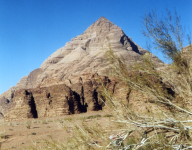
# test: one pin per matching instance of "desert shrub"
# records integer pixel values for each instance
(70, 119)
(34, 121)
(108, 115)
(168, 89)
(93, 116)
(33, 133)
(28, 124)
(44, 121)
(3, 135)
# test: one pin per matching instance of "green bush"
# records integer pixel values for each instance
(33, 133)
(108, 115)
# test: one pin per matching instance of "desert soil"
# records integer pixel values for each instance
(15, 135)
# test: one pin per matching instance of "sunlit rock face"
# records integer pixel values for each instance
(58, 100)
(75, 64)
(5, 106)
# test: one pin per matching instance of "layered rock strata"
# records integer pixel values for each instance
(5, 106)
(58, 100)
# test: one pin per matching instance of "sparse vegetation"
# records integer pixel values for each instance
(34, 121)
(44, 122)
(12, 147)
(33, 133)
(108, 115)
(93, 116)
(49, 120)
(3, 135)
(68, 119)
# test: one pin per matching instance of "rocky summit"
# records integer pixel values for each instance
(67, 81)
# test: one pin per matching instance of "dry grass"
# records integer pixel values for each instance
(40, 135)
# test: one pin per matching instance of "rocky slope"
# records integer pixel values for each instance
(72, 69)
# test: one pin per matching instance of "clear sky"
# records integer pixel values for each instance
(31, 30)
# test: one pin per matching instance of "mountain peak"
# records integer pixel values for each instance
(102, 21)
(101, 27)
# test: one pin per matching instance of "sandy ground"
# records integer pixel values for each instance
(15, 135)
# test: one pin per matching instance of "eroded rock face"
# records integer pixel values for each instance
(5, 106)
(85, 54)
(72, 71)
(58, 100)
(22, 105)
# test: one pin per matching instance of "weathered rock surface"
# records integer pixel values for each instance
(58, 100)
(74, 66)
(5, 106)
(86, 53)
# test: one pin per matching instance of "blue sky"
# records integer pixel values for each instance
(31, 30)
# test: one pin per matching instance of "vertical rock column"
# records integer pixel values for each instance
(56, 100)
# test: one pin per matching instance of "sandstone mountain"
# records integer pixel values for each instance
(67, 82)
